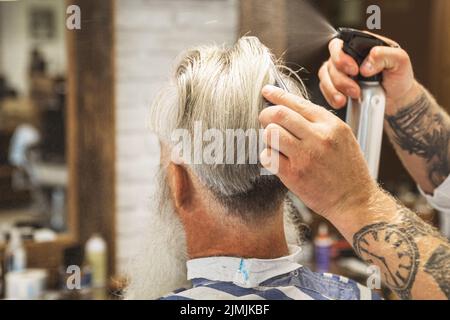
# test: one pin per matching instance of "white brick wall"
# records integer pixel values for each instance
(149, 35)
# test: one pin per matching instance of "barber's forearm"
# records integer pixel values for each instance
(321, 162)
(420, 132)
(414, 260)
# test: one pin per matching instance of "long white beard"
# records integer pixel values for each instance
(160, 266)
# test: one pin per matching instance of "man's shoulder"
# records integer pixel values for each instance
(302, 284)
(223, 290)
(324, 285)
(208, 290)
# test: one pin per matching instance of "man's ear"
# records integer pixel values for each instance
(180, 185)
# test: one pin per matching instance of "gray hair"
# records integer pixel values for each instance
(221, 87)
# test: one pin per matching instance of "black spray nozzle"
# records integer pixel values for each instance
(358, 44)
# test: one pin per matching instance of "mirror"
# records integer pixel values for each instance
(33, 67)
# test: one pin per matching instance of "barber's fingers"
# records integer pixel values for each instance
(384, 58)
(335, 86)
(280, 165)
(278, 138)
(305, 108)
(274, 162)
(342, 61)
(334, 98)
(343, 83)
(287, 118)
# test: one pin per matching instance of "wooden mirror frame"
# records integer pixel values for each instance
(91, 125)
(90, 120)
(90, 131)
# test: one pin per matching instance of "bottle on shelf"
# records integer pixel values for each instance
(95, 250)
(322, 247)
(15, 254)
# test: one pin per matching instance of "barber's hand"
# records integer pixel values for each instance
(336, 83)
(319, 158)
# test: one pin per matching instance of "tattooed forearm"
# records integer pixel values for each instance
(394, 251)
(438, 266)
(394, 248)
(423, 129)
(414, 226)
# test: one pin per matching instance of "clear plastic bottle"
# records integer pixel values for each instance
(366, 118)
(96, 258)
(15, 254)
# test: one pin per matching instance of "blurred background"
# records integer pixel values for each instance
(76, 159)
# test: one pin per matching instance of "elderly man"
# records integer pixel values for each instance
(225, 217)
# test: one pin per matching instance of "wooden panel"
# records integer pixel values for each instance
(440, 49)
(91, 124)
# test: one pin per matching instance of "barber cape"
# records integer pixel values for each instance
(230, 278)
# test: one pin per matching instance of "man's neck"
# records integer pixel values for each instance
(207, 238)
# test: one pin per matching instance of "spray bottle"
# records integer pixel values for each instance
(366, 115)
